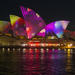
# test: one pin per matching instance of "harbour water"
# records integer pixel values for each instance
(37, 61)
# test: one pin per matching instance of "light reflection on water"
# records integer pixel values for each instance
(37, 61)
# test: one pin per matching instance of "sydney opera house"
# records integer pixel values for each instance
(31, 28)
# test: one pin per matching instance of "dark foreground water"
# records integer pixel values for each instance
(37, 61)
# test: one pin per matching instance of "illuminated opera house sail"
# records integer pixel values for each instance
(5, 27)
(18, 25)
(32, 25)
(56, 28)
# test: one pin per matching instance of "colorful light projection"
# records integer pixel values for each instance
(34, 23)
(18, 25)
(42, 33)
(5, 27)
(56, 27)
(64, 24)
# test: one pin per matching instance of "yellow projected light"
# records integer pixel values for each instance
(13, 19)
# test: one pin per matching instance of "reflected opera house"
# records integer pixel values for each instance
(31, 30)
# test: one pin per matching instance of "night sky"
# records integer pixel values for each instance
(49, 10)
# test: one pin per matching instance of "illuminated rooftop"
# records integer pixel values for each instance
(32, 25)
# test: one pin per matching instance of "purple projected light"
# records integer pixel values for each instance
(34, 23)
(42, 33)
(47, 28)
(57, 27)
